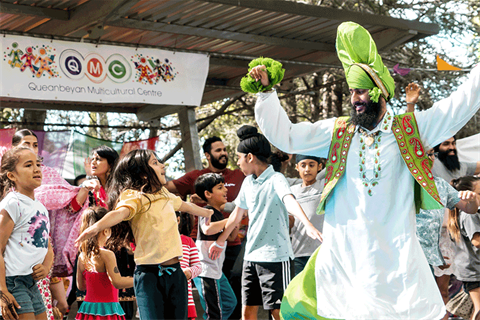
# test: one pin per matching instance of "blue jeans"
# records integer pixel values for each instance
(220, 298)
(24, 289)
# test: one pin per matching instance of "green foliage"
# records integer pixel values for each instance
(275, 75)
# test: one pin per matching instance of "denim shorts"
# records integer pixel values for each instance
(24, 289)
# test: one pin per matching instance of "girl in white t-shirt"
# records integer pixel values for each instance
(26, 255)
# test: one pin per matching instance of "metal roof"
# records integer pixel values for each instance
(232, 31)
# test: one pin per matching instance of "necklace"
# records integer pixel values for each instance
(369, 137)
(370, 182)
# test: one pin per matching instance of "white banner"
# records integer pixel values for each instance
(42, 69)
(469, 148)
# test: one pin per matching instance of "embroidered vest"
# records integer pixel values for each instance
(414, 155)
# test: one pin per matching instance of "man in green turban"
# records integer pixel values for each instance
(370, 265)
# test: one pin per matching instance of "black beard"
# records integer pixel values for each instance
(450, 162)
(368, 118)
(216, 162)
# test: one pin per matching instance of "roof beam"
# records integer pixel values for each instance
(307, 10)
(56, 14)
(19, 104)
(89, 13)
(219, 34)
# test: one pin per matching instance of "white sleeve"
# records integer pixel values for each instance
(447, 116)
(12, 207)
(300, 138)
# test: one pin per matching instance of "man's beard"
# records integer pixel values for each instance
(450, 162)
(217, 164)
(369, 117)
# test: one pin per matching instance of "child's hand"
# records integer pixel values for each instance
(188, 273)
(313, 233)
(87, 234)
(91, 185)
(412, 91)
(207, 219)
(216, 249)
(468, 195)
(39, 272)
(8, 305)
(195, 198)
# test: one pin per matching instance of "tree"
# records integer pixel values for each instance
(324, 94)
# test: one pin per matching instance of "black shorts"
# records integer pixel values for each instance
(467, 286)
(263, 283)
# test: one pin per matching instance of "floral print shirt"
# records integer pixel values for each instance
(429, 223)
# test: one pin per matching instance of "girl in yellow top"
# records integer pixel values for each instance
(138, 195)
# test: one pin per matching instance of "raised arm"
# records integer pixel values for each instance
(109, 220)
(412, 92)
(213, 227)
(296, 210)
(469, 201)
(233, 220)
(303, 138)
(196, 210)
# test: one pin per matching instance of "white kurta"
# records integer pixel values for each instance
(371, 265)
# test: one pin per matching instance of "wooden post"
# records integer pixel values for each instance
(190, 140)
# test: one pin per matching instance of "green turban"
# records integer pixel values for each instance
(364, 68)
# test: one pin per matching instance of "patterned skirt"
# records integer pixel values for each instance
(100, 311)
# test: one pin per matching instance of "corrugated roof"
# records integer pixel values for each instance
(232, 31)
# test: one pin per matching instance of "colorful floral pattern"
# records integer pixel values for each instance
(412, 151)
(370, 182)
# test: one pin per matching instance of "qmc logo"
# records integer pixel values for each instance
(75, 67)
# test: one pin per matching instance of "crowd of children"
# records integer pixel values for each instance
(145, 215)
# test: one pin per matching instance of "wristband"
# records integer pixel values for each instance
(411, 103)
(219, 246)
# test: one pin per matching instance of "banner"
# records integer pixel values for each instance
(149, 144)
(53, 147)
(43, 69)
(6, 136)
(469, 148)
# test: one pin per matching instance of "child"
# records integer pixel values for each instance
(308, 196)
(138, 195)
(190, 264)
(97, 272)
(429, 227)
(216, 294)
(26, 254)
(465, 231)
(268, 252)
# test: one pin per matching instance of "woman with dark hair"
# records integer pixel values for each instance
(101, 163)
